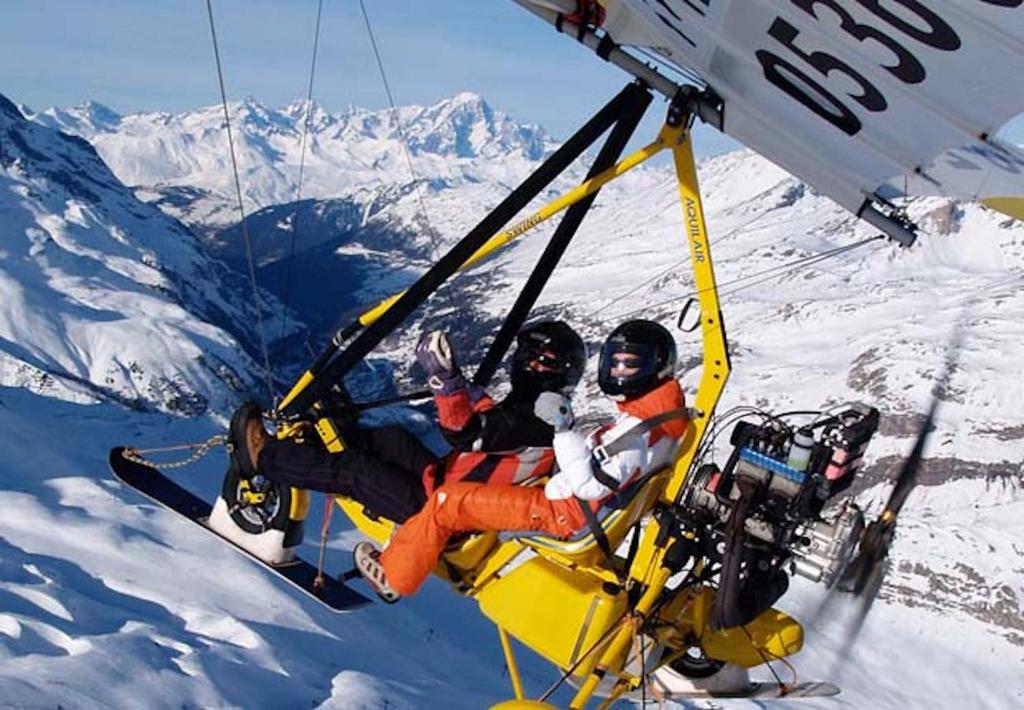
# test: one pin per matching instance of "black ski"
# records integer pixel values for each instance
(160, 489)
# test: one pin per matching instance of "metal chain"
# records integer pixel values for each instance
(135, 455)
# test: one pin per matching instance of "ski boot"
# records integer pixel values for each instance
(366, 558)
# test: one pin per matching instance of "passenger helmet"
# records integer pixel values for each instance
(637, 357)
(549, 356)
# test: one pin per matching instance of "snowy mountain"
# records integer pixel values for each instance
(108, 335)
(105, 297)
(385, 211)
(182, 161)
(101, 610)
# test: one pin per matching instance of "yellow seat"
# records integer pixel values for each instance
(558, 613)
(582, 549)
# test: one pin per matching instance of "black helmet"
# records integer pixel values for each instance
(650, 351)
(549, 356)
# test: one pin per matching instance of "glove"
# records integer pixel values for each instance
(434, 355)
(554, 409)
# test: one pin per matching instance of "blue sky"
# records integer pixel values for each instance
(156, 55)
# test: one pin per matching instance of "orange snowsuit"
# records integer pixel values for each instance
(460, 507)
(513, 445)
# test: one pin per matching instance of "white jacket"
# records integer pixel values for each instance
(573, 453)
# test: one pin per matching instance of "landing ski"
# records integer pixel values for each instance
(298, 572)
(756, 691)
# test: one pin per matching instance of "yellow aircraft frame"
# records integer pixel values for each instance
(564, 602)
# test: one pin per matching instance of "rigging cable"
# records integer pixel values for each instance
(764, 653)
(302, 166)
(767, 275)
(599, 643)
(795, 265)
(679, 263)
(435, 235)
(241, 208)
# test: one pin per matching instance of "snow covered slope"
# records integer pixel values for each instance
(105, 297)
(108, 601)
(102, 607)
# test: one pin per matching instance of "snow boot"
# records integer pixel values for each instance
(246, 437)
(367, 560)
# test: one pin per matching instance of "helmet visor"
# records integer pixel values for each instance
(622, 364)
(545, 368)
(628, 368)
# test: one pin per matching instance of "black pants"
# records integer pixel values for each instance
(382, 469)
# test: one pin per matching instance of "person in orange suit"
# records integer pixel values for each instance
(636, 368)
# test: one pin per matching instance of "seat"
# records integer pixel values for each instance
(617, 515)
(616, 518)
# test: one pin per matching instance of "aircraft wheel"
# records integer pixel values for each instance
(696, 664)
(257, 504)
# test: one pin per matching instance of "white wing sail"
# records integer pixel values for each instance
(860, 98)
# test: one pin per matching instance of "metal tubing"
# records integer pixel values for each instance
(564, 234)
(647, 571)
(510, 661)
(650, 76)
(705, 106)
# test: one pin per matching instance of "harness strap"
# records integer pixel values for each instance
(599, 536)
(605, 451)
(609, 482)
(602, 453)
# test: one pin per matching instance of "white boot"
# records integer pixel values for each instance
(367, 560)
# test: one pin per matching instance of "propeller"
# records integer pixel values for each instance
(860, 576)
(863, 576)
